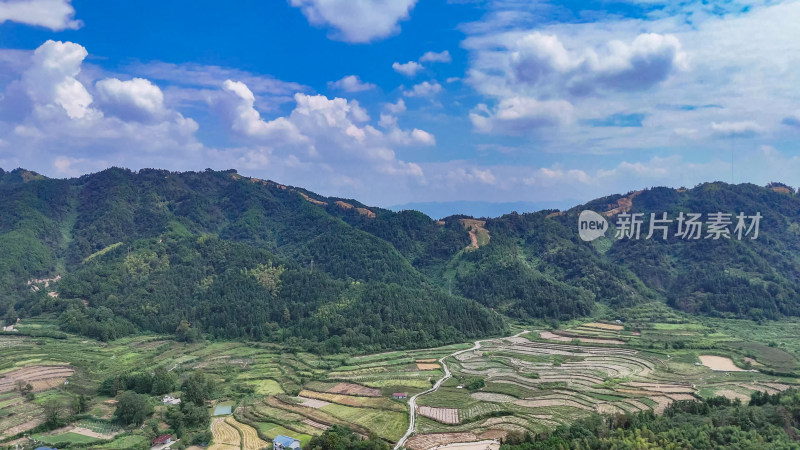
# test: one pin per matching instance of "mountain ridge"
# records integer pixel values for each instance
(219, 254)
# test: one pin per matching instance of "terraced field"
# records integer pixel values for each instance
(533, 384)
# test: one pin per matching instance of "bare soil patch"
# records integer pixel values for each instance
(427, 366)
(553, 337)
(443, 415)
(313, 402)
(480, 445)
(355, 389)
(733, 395)
(719, 363)
(34, 374)
(320, 426)
(604, 326)
(428, 441)
(492, 397)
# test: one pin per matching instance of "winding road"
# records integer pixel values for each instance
(412, 402)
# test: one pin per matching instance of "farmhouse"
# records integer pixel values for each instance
(285, 443)
(399, 395)
(170, 400)
(162, 440)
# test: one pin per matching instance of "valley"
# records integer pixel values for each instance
(531, 382)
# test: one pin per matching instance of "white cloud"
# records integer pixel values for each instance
(521, 115)
(539, 59)
(408, 69)
(406, 137)
(50, 81)
(424, 89)
(350, 83)
(56, 15)
(395, 108)
(736, 129)
(323, 134)
(56, 114)
(238, 108)
(357, 20)
(210, 76)
(137, 99)
(433, 57)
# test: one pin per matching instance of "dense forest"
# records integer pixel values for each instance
(220, 255)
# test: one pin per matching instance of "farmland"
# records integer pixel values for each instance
(529, 383)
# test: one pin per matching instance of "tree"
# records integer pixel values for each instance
(163, 382)
(53, 413)
(185, 332)
(11, 316)
(80, 404)
(338, 437)
(197, 388)
(132, 408)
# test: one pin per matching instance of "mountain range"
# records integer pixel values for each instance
(220, 255)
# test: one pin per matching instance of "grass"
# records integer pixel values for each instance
(123, 442)
(266, 387)
(386, 424)
(272, 430)
(71, 438)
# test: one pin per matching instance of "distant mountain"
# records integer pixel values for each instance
(438, 210)
(217, 254)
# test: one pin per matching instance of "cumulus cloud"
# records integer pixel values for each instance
(50, 81)
(433, 57)
(736, 129)
(137, 99)
(324, 133)
(520, 115)
(53, 107)
(350, 83)
(56, 15)
(357, 20)
(408, 69)
(238, 108)
(539, 59)
(395, 108)
(424, 89)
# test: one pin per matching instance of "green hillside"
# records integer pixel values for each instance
(225, 256)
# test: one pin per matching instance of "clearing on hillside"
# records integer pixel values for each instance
(355, 389)
(478, 235)
(719, 363)
(40, 377)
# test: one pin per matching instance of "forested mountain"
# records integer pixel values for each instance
(228, 256)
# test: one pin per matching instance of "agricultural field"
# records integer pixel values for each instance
(529, 383)
(544, 378)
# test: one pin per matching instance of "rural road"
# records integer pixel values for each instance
(412, 402)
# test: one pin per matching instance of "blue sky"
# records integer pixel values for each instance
(399, 101)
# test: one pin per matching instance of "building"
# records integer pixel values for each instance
(170, 400)
(399, 395)
(285, 443)
(164, 439)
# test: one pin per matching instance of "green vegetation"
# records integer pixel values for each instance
(222, 289)
(715, 423)
(341, 438)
